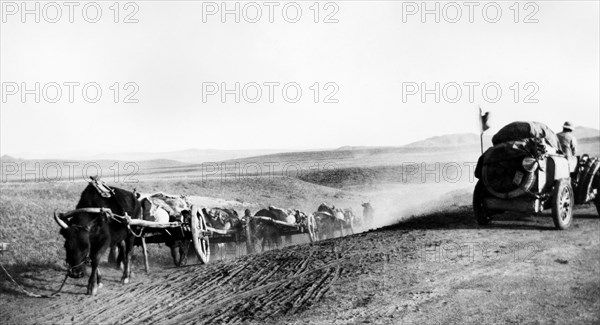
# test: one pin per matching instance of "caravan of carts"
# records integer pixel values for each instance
(108, 216)
(173, 220)
(197, 227)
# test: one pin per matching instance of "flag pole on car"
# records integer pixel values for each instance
(483, 119)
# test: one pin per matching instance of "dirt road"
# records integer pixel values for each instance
(440, 268)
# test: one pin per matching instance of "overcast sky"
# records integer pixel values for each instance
(373, 55)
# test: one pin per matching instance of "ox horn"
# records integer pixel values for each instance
(60, 222)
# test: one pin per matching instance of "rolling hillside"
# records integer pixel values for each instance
(452, 148)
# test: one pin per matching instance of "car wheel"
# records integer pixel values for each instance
(482, 215)
(562, 204)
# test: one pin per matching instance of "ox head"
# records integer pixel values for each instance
(76, 227)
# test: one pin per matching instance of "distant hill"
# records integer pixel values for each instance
(442, 141)
(189, 156)
(350, 148)
(7, 158)
(463, 147)
(41, 170)
(186, 156)
(589, 140)
(583, 132)
(450, 140)
(155, 163)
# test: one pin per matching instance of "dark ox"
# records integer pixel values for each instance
(329, 219)
(88, 233)
(121, 202)
(368, 213)
(266, 231)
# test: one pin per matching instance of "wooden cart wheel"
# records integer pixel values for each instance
(199, 238)
(311, 227)
(248, 229)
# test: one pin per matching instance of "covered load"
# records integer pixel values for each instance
(287, 216)
(222, 218)
(519, 131)
(161, 207)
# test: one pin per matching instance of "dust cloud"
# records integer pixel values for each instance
(396, 202)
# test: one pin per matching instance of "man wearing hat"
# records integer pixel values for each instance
(567, 141)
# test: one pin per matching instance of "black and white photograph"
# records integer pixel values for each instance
(299, 162)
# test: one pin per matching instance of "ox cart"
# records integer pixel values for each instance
(329, 222)
(329, 219)
(271, 229)
(192, 227)
(196, 227)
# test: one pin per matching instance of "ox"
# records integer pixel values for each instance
(266, 231)
(329, 219)
(367, 213)
(88, 232)
(99, 195)
(119, 201)
(269, 234)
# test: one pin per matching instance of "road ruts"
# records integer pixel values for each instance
(253, 288)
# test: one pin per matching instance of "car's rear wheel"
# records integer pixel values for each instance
(482, 215)
(562, 204)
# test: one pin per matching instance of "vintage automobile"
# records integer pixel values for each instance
(525, 171)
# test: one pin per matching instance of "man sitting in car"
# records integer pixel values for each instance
(568, 144)
(567, 141)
